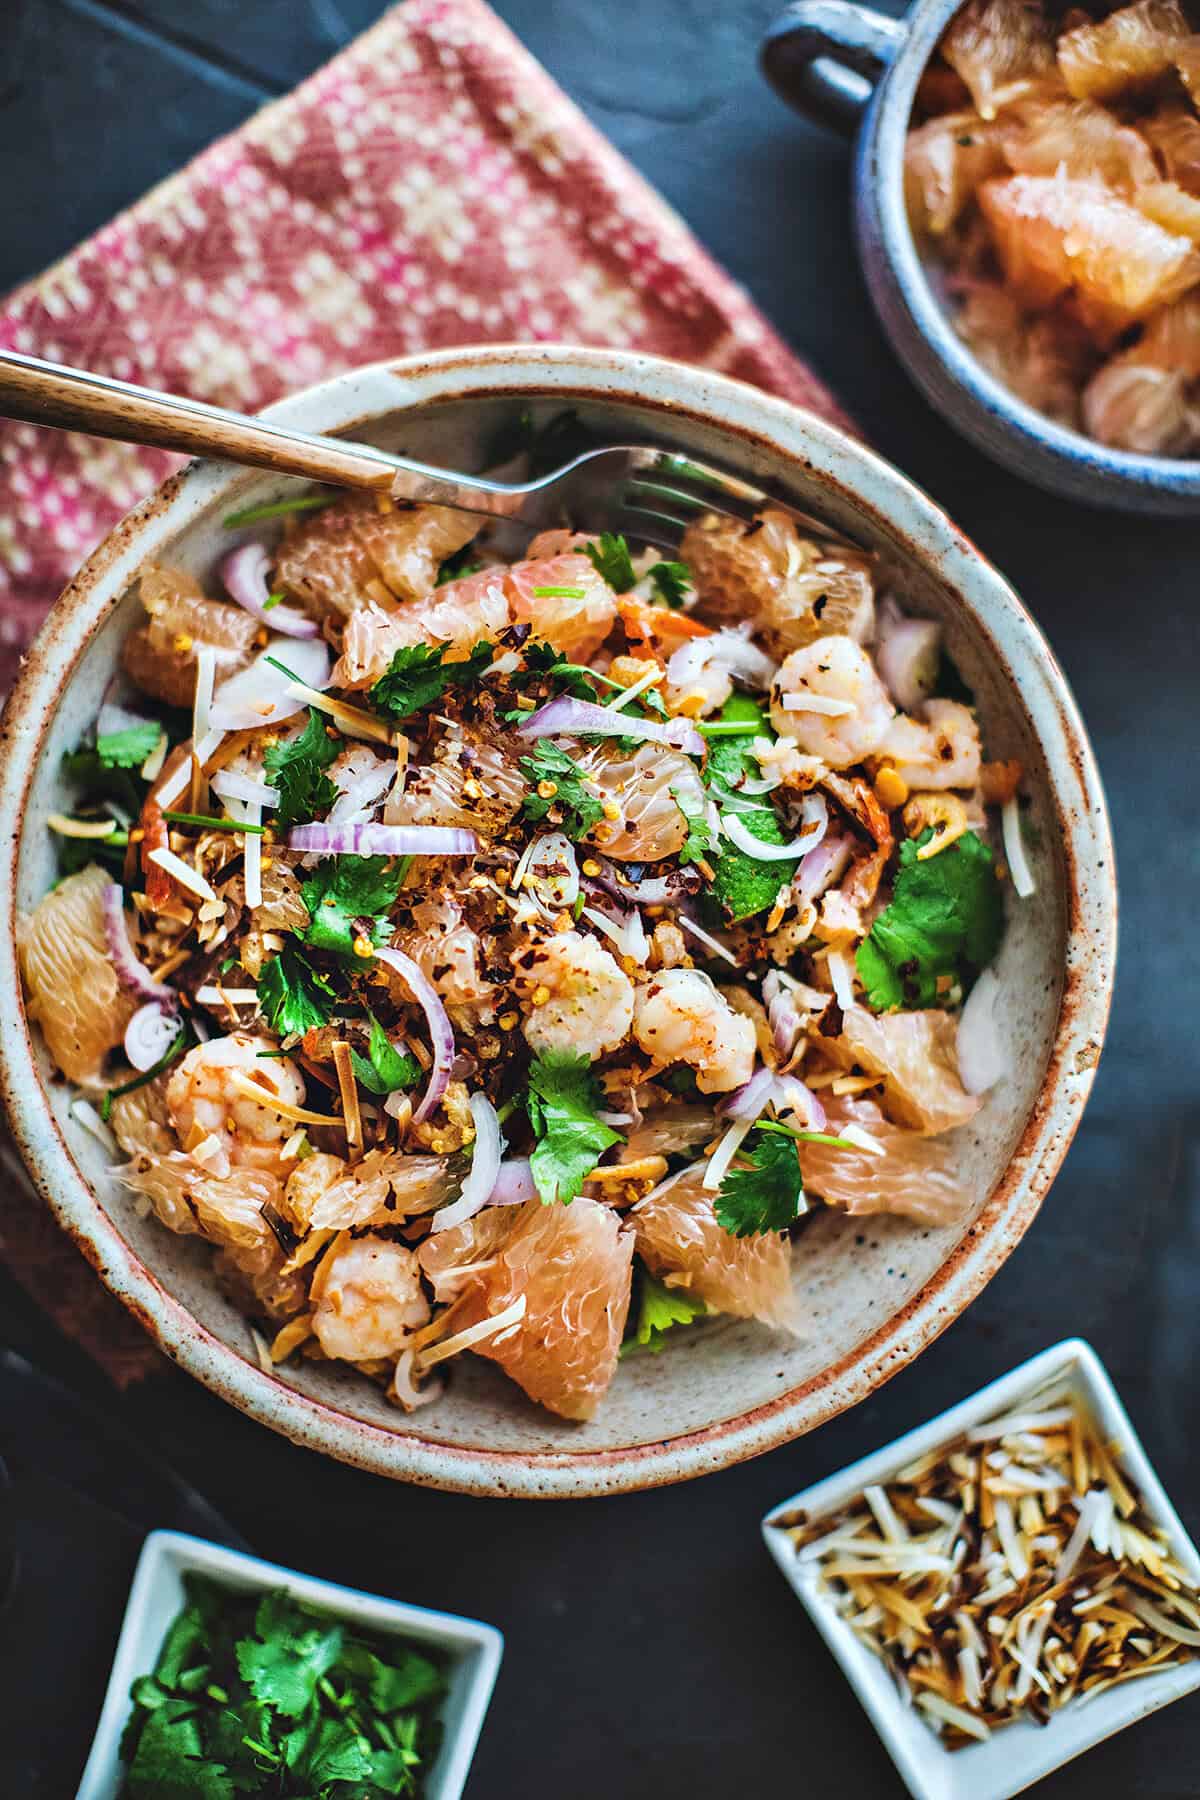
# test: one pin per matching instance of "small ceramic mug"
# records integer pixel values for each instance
(857, 70)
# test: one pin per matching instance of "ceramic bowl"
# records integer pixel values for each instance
(1023, 1753)
(856, 69)
(471, 1650)
(873, 1294)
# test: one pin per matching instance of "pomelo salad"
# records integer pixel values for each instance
(504, 957)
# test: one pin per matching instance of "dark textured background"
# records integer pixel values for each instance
(653, 1651)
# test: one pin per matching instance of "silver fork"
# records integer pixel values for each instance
(641, 491)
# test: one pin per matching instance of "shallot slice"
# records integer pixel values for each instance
(245, 576)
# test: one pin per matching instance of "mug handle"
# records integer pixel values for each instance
(823, 57)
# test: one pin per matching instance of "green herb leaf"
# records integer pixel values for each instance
(463, 562)
(405, 1683)
(419, 674)
(563, 1101)
(767, 1195)
(544, 659)
(169, 1762)
(610, 557)
(698, 845)
(277, 509)
(297, 769)
(293, 996)
(673, 582)
(579, 806)
(348, 897)
(282, 1667)
(943, 925)
(128, 749)
(387, 1069)
(658, 1309)
(743, 885)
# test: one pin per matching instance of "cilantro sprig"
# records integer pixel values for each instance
(610, 558)
(672, 582)
(128, 748)
(274, 1697)
(563, 1101)
(419, 674)
(549, 767)
(942, 926)
(698, 845)
(384, 1069)
(767, 1194)
(656, 1309)
(348, 898)
(294, 997)
(297, 768)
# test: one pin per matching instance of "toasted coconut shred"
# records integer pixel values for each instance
(1009, 1574)
(487, 948)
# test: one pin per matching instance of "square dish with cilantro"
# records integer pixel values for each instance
(504, 957)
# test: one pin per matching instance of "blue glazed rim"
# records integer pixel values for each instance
(912, 315)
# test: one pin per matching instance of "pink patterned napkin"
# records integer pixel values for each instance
(431, 186)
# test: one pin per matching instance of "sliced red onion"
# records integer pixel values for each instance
(982, 1058)
(383, 840)
(262, 694)
(150, 1034)
(477, 1189)
(441, 1032)
(514, 1183)
(568, 717)
(245, 576)
(748, 1101)
(822, 866)
(792, 1096)
(130, 972)
(907, 654)
(782, 1013)
(785, 1093)
(230, 784)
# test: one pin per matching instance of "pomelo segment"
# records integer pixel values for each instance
(1172, 207)
(1055, 234)
(916, 1054)
(790, 588)
(944, 162)
(680, 1240)
(1045, 360)
(160, 655)
(1174, 132)
(1127, 49)
(916, 1176)
(573, 1264)
(1042, 136)
(336, 556)
(575, 621)
(993, 44)
(71, 988)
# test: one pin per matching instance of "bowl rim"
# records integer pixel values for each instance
(994, 406)
(918, 528)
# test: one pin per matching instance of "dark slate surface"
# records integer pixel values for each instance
(652, 1650)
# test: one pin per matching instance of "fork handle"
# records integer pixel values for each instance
(44, 393)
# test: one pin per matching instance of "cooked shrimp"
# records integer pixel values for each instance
(211, 1117)
(837, 671)
(940, 751)
(368, 1299)
(682, 1016)
(581, 1000)
(646, 786)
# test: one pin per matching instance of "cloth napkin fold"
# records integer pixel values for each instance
(430, 186)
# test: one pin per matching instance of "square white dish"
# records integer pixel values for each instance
(157, 1594)
(1023, 1753)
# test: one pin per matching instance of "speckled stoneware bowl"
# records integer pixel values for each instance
(857, 70)
(873, 1293)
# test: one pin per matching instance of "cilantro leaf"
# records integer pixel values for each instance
(658, 1308)
(544, 659)
(610, 558)
(297, 769)
(766, 1196)
(348, 897)
(673, 582)
(419, 674)
(337, 1753)
(462, 562)
(404, 1683)
(169, 1762)
(743, 885)
(281, 1666)
(563, 1100)
(579, 806)
(129, 748)
(384, 1068)
(698, 845)
(292, 996)
(943, 925)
